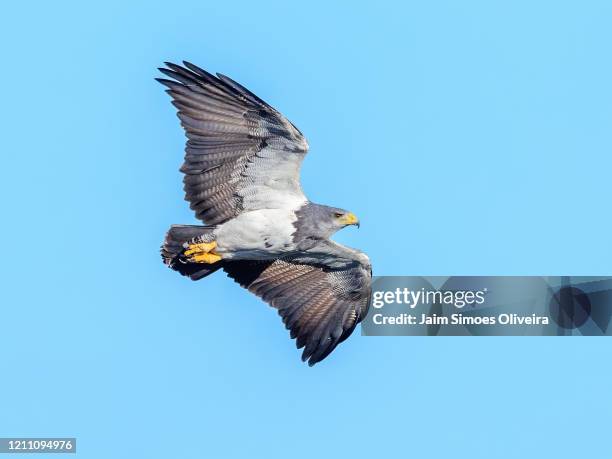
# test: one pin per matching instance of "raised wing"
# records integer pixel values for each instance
(241, 153)
(320, 305)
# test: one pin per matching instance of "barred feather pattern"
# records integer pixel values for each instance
(319, 306)
(241, 153)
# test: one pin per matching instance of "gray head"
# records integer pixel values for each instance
(315, 220)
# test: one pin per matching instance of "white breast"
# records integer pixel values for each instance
(258, 234)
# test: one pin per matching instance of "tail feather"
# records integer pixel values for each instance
(173, 248)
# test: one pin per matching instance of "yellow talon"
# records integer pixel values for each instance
(203, 247)
(202, 253)
(208, 258)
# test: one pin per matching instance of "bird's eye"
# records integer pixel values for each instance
(338, 215)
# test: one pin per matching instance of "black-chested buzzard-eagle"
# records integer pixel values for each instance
(242, 179)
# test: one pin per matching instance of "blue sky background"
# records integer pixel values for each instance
(470, 137)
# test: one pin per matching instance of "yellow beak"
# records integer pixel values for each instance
(349, 219)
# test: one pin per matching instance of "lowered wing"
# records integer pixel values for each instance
(320, 305)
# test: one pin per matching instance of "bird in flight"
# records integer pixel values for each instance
(242, 180)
